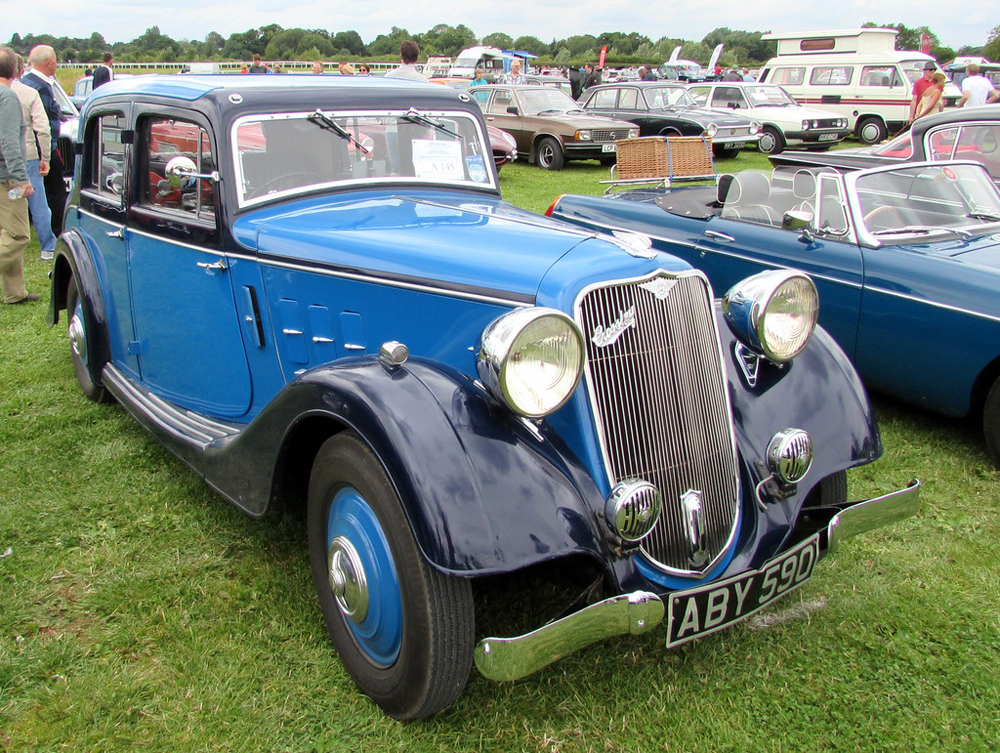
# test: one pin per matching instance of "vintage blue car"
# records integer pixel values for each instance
(905, 258)
(310, 290)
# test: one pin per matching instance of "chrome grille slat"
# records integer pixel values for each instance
(660, 401)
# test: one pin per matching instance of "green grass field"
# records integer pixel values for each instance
(140, 611)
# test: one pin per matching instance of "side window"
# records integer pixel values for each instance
(482, 96)
(605, 99)
(833, 75)
(727, 97)
(165, 140)
(831, 217)
(629, 99)
(788, 76)
(880, 75)
(941, 143)
(107, 167)
(502, 99)
(700, 94)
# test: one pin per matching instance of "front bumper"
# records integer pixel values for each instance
(813, 137)
(641, 611)
(587, 149)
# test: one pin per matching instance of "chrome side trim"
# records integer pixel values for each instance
(513, 658)
(873, 513)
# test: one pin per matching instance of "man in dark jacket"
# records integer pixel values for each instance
(41, 76)
(103, 73)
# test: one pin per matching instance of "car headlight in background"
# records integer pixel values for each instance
(773, 313)
(633, 133)
(805, 125)
(582, 136)
(531, 359)
(711, 130)
(755, 127)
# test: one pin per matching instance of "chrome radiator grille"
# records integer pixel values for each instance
(658, 390)
(610, 134)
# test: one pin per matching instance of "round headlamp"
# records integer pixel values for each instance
(773, 312)
(531, 360)
(584, 135)
(712, 130)
(755, 127)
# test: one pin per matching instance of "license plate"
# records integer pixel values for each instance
(612, 147)
(700, 611)
(827, 137)
(735, 145)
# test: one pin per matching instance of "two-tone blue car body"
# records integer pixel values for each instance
(905, 258)
(310, 290)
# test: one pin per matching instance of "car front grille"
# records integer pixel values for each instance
(826, 123)
(728, 133)
(614, 134)
(659, 395)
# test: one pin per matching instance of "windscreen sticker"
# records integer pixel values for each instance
(477, 168)
(437, 159)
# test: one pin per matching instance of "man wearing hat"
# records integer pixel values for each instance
(920, 86)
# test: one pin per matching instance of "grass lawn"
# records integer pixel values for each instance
(140, 611)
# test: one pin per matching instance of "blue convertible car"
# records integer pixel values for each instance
(905, 258)
(310, 290)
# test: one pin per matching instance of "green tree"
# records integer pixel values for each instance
(349, 40)
(387, 45)
(534, 45)
(499, 39)
(991, 50)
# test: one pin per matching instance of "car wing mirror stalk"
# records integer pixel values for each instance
(182, 168)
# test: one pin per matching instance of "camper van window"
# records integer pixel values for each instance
(833, 75)
(816, 45)
(788, 76)
(880, 75)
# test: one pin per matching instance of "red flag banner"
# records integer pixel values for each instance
(604, 53)
(925, 43)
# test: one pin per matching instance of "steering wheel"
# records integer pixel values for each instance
(885, 211)
(289, 180)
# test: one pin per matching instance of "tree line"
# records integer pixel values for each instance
(272, 42)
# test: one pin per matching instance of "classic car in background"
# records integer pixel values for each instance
(669, 110)
(966, 133)
(784, 122)
(333, 309)
(503, 145)
(906, 260)
(548, 126)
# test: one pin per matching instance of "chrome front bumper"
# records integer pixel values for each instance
(639, 612)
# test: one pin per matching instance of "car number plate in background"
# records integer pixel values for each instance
(609, 147)
(699, 611)
(827, 137)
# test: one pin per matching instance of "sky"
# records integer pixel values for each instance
(546, 19)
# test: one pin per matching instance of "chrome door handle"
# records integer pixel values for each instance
(119, 233)
(210, 267)
(721, 237)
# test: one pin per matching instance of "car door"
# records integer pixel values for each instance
(731, 248)
(187, 333)
(503, 111)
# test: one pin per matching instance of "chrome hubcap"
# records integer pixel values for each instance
(347, 579)
(78, 337)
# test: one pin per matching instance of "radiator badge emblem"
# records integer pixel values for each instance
(659, 286)
(604, 336)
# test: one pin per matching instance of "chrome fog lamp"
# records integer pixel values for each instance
(632, 509)
(773, 312)
(789, 455)
(531, 360)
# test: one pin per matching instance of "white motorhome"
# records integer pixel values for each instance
(857, 73)
(490, 59)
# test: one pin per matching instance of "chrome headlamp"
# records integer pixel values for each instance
(583, 136)
(773, 313)
(755, 127)
(711, 130)
(531, 360)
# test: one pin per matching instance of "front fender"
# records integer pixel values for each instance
(483, 491)
(74, 261)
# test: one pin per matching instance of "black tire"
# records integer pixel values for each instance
(771, 141)
(609, 160)
(871, 130)
(409, 643)
(549, 155)
(991, 422)
(85, 360)
(670, 132)
(721, 152)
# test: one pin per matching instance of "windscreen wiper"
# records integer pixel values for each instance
(922, 230)
(415, 117)
(983, 216)
(325, 122)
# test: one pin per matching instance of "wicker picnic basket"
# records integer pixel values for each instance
(671, 157)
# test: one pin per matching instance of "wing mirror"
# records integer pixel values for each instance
(512, 110)
(182, 169)
(799, 219)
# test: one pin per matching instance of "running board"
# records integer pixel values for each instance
(159, 415)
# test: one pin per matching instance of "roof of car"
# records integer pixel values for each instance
(958, 115)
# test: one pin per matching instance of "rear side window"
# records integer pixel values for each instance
(791, 76)
(604, 99)
(831, 75)
(880, 75)
(502, 99)
(107, 167)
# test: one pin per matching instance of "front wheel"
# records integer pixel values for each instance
(721, 152)
(871, 131)
(991, 423)
(771, 141)
(81, 346)
(404, 631)
(550, 154)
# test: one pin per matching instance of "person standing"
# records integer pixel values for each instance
(593, 77)
(976, 88)
(932, 95)
(317, 67)
(409, 52)
(14, 230)
(256, 66)
(41, 78)
(103, 72)
(479, 78)
(515, 76)
(920, 86)
(37, 153)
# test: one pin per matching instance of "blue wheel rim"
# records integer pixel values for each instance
(380, 633)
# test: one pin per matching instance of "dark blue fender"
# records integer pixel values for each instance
(483, 491)
(74, 260)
